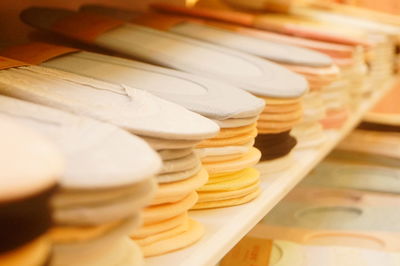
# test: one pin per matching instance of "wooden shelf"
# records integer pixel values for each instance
(225, 227)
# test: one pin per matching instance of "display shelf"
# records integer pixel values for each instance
(225, 227)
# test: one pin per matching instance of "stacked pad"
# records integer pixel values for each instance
(297, 59)
(328, 86)
(309, 131)
(282, 23)
(170, 129)
(108, 180)
(317, 68)
(286, 253)
(274, 125)
(216, 33)
(260, 77)
(30, 166)
(233, 109)
(354, 70)
(216, 10)
(383, 36)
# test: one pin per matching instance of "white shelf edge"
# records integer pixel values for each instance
(225, 227)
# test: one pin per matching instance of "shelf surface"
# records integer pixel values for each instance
(226, 226)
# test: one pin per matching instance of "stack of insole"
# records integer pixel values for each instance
(354, 70)
(170, 129)
(272, 252)
(333, 40)
(30, 167)
(330, 217)
(274, 125)
(108, 180)
(279, 87)
(282, 23)
(363, 14)
(321, 74)
(383, 38)
(233, 109)
(297, 59)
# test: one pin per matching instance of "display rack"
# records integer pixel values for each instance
(225, 227)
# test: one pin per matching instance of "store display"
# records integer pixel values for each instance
(25, 194)
(260, 77)
(172, 159)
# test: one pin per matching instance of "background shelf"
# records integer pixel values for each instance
(225, 227)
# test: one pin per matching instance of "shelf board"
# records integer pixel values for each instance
(226, 226)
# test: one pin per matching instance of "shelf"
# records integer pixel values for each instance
(225, 227)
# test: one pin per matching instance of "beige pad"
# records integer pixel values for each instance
(214, 159)
(163, 144)
(278, 101)
(174, 154)
(178, 176)
(274, 125)
(179, 229)
(192, 235)
(231, 132)
(232, 141)
(280, 117)
(227, 203)
(225, 195)
(273, 130)
(235, 181)
(181, 164)
(161, 212)
(235, 122)
(176, 191)
(274, 166)
(159, 227)
(282, 108)
(247, 160)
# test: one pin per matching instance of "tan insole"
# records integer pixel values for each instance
(185, 239)
(247, 160)
(175, 191)
(225, 195)
(162, 212)
(228, 202)
(155, 228)
(244, 178)
(232, 141)
(237, 131)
